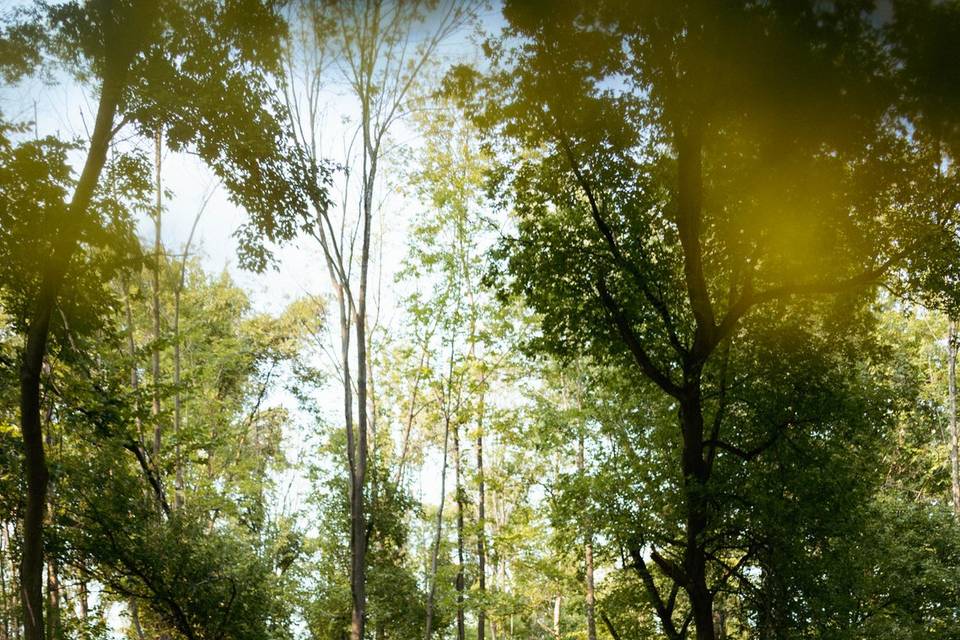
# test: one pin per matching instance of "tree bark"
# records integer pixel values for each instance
(771, 616)
(54, 631)
(357, 509)
(587, 558)
(157, 256)
(481, 530)
(177, 403)
(134, 375)
(84, 601)
(5, 612)
(556, 617)
(695, 480)
(357, 524)
(53, 600)
(696, 472)
(952, 387)
(436, 545)
(135, 619)
(461, 631)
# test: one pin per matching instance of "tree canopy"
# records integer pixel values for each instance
(436, 319)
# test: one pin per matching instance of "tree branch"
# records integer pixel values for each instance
(749, 298)
(609, 625)
(604, 228)
(663, 612)
(633, 343)
(135, 449)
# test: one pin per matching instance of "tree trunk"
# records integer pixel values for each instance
(157, 256)
(5, 612)
(177, 403)
(134, 375)
(588, 560)
(34, 461)
(952, 385)
(357, 525)
(436, 545)
(689, 144)
(481, 530)
(35, 349)
(53, 600)
(771, 623)
(135, 619)
(695, 478)
(459, 494)
(357, 510)
(720, 622)
(53, 578)
(84, 601)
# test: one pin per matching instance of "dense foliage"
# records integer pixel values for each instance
(640, 324)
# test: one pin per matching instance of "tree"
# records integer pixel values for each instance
(141, 55)
(374, 45)
(217, 564)
(679, 183)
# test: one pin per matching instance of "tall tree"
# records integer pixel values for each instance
(381, 61)
(140, 55)
(659, 199)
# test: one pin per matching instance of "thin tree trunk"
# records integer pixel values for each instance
(135, 619)
(53, 578)
(84, 601)
(157, 256)
(610, 627)
(35, 349)
(132, 350)
(357, 520)
(53, 600)
(501, 573)
(357, 509)
(720, 622)
(481, 529)
(588, 559)
(459, 494)
(5, 613)
(952, 384)
(770, 621)
(177, 403)
(436, 545)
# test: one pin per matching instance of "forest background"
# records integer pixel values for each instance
(439, 319)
